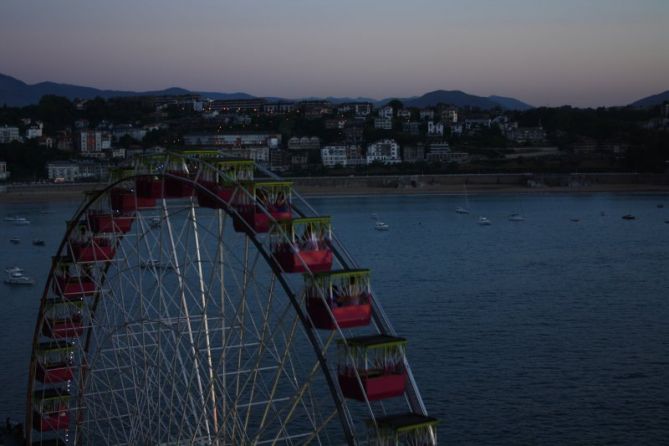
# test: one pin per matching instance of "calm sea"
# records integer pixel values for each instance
(545, 331)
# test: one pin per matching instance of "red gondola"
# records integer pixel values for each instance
(64, 328)
(63, 319)
(149, 186)
(73, 287)
(372, 368)
(214, 187)
(106, 222)
(262, 200)
(97, 249)
(54, 362)
(126, 201)
(339, 299)
(302, 243)
(51, 410)
(178, 185)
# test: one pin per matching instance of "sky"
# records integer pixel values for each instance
(544, 52)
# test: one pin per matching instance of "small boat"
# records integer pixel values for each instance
(461, 210)
(13, 270)
(483, 221)
(575, 220)
(21, 221)
(155, 222)
(381, 226)
(19, 279)
(15, 240)
(516, 217)
(660, 206)
(629, 217)
(38, 242)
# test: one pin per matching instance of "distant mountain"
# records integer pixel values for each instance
(215, 96)
(455, 97)
(16, 93)
(651, 101)
(510, 103)
(461, 99)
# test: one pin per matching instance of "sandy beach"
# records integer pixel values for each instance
(312, 187)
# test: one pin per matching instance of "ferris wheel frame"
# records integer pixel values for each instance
(380, 321)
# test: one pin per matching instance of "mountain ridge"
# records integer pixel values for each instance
(651, 101)
(16, 93)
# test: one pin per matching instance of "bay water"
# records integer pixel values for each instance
(553, 330)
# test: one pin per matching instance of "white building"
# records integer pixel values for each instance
(386, 112)
(342, 155)
(386, 151)
(383, 123)
(450, 115)
(234, 140)
(92, 142)
(35, 130)
(63, 171)
(332, 156)
(426, 113)
(404, 113)
(9, 134)
(435, 128)
(137, 133)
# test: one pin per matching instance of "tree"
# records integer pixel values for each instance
(396, 104)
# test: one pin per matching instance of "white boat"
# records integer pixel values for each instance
(13, 269)
(15, 240)
(155, 222)
(19, 279)
(381, 226)
(21, 221)
(464, 209)
(516, 217)
(483, 221)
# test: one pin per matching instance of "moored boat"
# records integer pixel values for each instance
(381, 226)
(13, 269)
(484, 221)
(19, 279)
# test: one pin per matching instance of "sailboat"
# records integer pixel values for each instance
(464, 210)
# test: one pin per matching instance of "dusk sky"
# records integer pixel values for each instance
(544, 52)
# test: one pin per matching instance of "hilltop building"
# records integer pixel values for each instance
(9, 134)
(386, 151)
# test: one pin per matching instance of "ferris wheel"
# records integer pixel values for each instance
(200, 300)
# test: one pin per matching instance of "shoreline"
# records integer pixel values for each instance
(60, 193)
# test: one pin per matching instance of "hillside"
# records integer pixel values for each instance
(652, 101)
